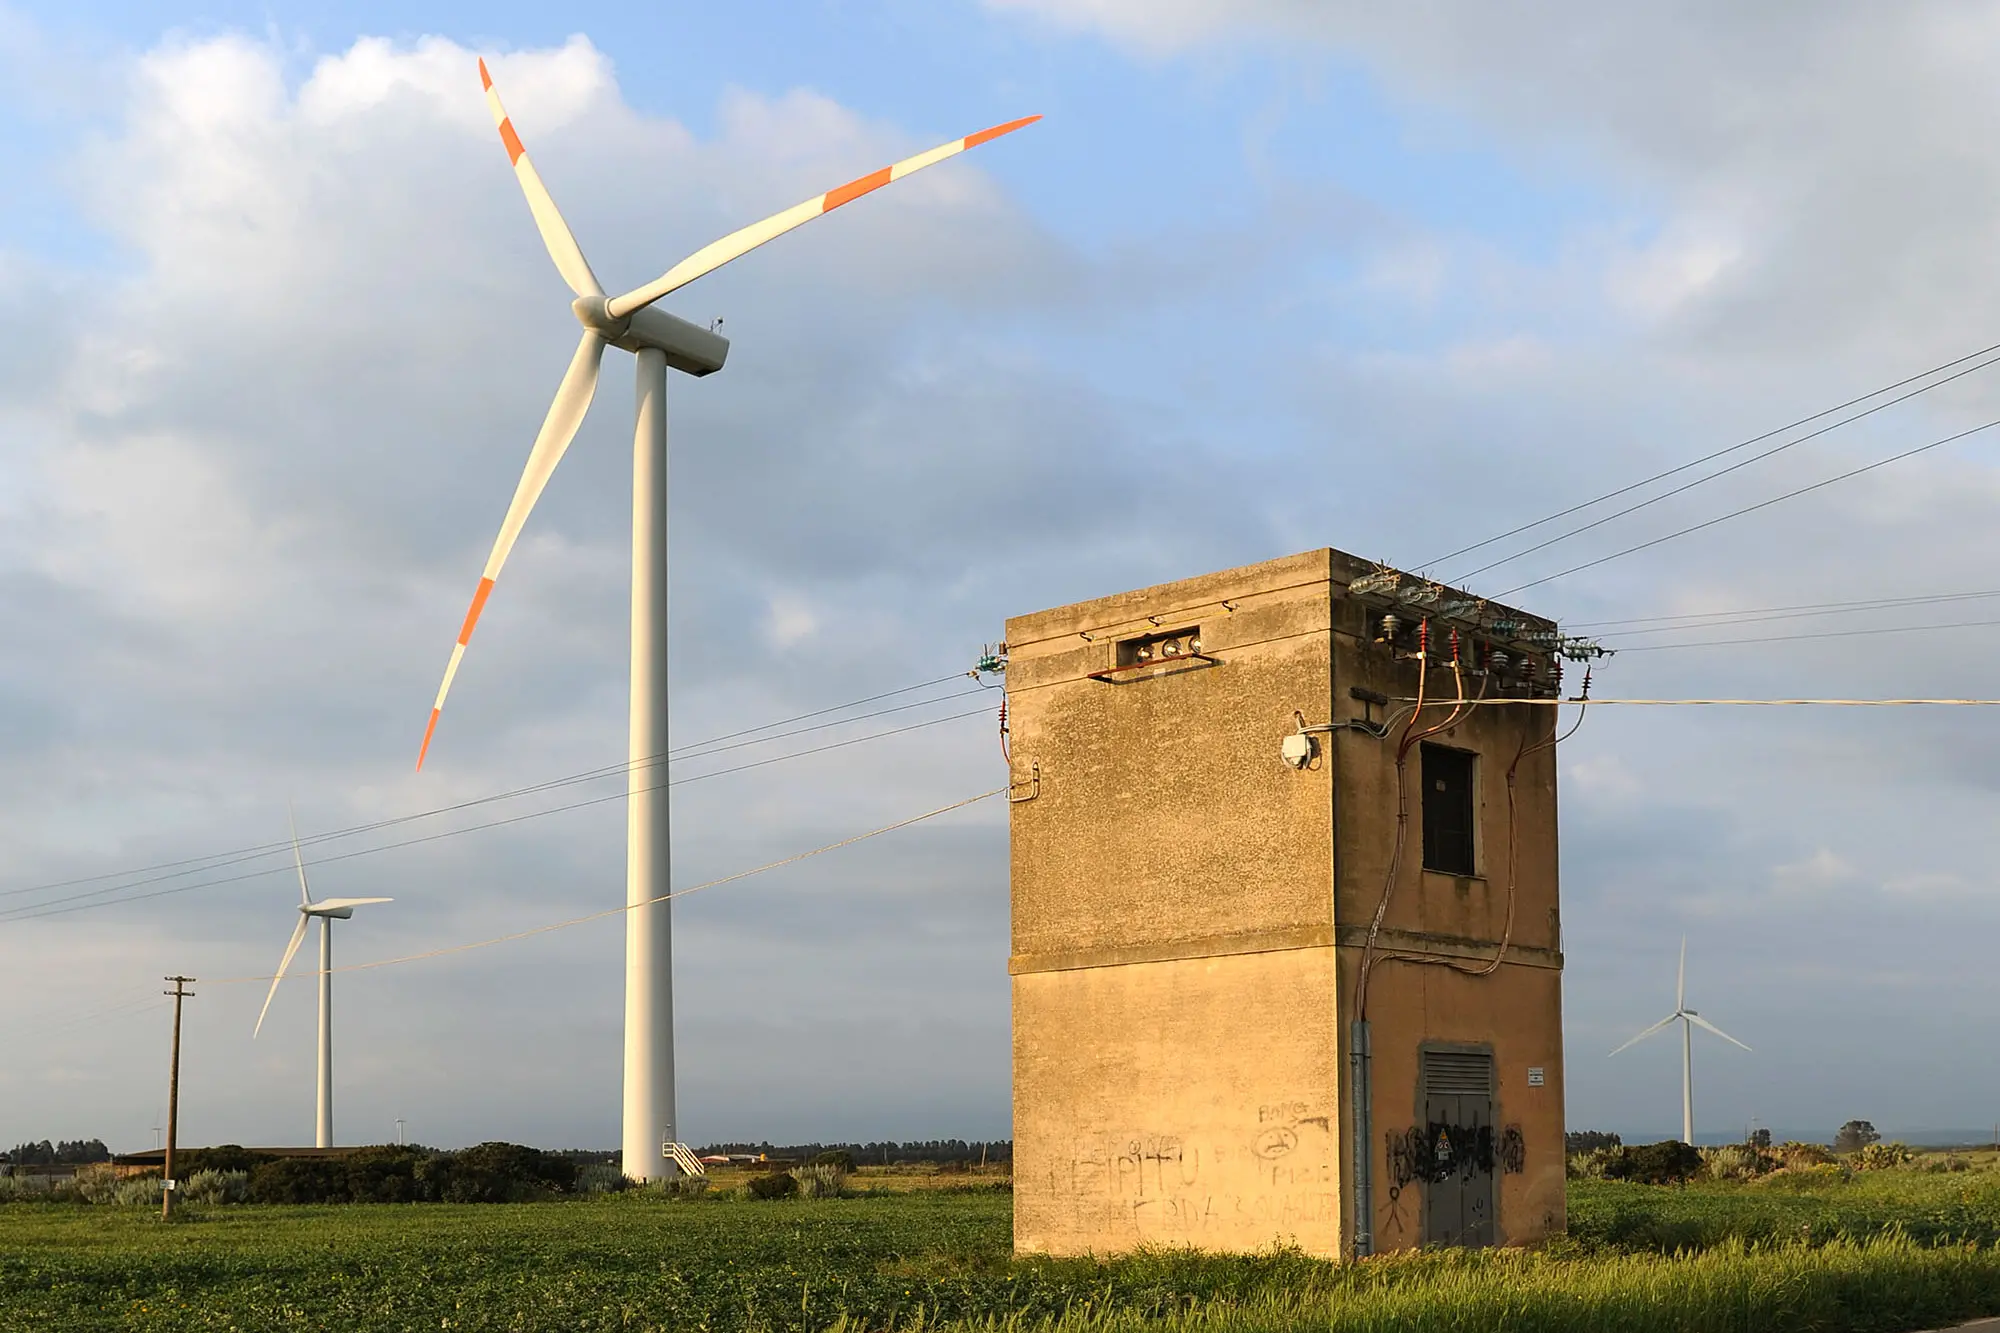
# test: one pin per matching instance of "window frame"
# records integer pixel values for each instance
(1466, 840)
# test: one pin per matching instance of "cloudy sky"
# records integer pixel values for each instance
(1271, 275)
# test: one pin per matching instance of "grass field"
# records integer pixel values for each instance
(1887, 1251)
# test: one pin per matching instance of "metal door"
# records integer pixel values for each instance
(1458, 1147)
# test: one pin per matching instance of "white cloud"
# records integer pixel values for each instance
(1822, 872)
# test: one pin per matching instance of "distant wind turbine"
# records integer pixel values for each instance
(1689, 1020)
(326, 910)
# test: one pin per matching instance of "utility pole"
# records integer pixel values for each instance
(179, 992)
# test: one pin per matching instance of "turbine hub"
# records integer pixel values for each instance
(593, 312)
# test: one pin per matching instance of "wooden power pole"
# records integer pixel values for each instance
(179, 992)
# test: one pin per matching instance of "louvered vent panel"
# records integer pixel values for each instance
(1449, 1072)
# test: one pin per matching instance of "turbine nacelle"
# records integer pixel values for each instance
(342, 908)
(689, 348)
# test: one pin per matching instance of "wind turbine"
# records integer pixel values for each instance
(1689, 1021)
(659, 340)
(327, 910)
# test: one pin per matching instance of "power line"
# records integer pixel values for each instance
(147, 1001)
(1719, 472)
(1711, 457)
(1794, 638)
(822, 712)
(627, 907)
(237, 856)
(78, 903)
(1707, 703)
(1747, 509)
(1748, 615)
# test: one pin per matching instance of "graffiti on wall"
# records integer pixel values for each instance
(1437, 1152)
(1277, 1174)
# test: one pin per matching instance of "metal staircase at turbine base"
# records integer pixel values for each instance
(683, 1157)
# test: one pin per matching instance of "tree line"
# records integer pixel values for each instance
(69, 1152)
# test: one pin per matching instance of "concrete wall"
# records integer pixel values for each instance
(1185, 954)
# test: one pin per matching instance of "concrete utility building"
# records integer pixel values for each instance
(1233, 962)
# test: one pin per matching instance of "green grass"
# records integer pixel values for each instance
(1869, 1255)
(1930, 1209)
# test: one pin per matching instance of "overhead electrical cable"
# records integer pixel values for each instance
(1719, 472)
(80, 902)
(218, 860)
(627, 907)
(1729, 703)
(1748, 615)
(1795, 638)
(1747, 509)
(143, 1004)
(1721, 453)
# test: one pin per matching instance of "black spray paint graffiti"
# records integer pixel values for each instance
(1437, 1152)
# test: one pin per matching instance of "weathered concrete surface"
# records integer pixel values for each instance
(1189, 915)
(1184, 1103)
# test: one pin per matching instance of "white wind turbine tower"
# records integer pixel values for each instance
(327, 909)
(1689, 1020)
(659, 340)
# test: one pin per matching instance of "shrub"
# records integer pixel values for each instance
(1796, 1154)
(601, 1178)
(222, 1157)
(1736, 1161)
(210, 1186)
(1879, 1156)
(385, 1174)
(497, 1173)
(135, 1190)
(1589, 1140)
(1668, 1163)
(1939, 1165)
(839, 1157)
(1590, 1164)
(93, 1184)
(1808, 1178)
(821, 1180)
(299, 1180)
(679, 1187)
(775, 1185)
(24, 1189)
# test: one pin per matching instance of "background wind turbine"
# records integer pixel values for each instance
(327, 909)
(659, 340)
(1689, 1020)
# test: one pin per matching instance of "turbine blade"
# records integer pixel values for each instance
(563, 248)
(1699, 1021)
(1681, 978)
(348, 902)
(558, 429)
(298, 859)
(1647, 1033)
(741, 242)
(298, 936)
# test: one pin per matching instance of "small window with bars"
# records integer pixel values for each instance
(1447, 777)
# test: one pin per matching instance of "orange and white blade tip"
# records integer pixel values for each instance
(745, 239)
(556, 235)
(479, 597)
